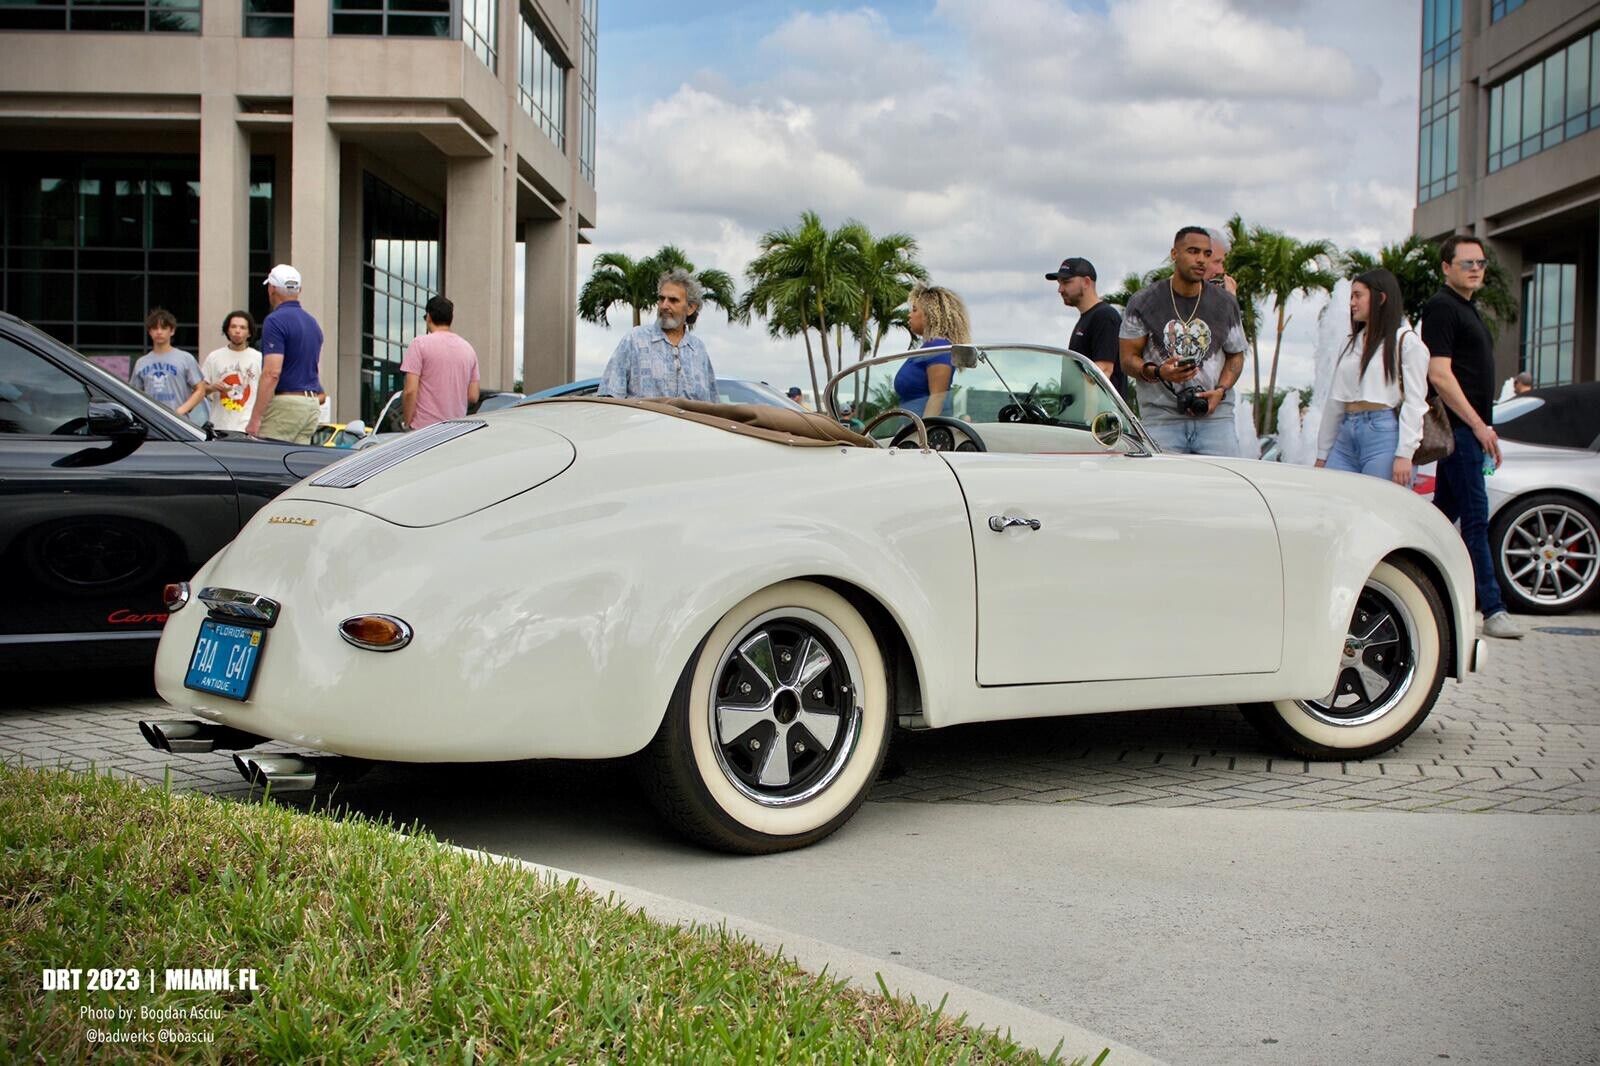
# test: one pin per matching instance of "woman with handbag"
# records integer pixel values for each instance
(1372, 423)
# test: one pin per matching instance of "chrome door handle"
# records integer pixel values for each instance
(1000, 523)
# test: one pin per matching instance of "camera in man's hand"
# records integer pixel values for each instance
(1190, 401)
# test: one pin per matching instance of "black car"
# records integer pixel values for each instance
(105, 497)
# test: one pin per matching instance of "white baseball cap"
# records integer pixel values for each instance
(285, 277)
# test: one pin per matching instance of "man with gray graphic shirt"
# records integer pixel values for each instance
(1182, 341)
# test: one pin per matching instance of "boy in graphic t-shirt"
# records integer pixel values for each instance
(168, 375)
(232, 374)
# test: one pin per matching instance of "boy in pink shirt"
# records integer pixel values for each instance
(441, 370)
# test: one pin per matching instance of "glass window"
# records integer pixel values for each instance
(37, 398)
(403, 248)
(480, 29)
(110, 16)
(91, 243)
(586, 91)
(393, 18)
(269, 18)
(1440, 98)
(1549, 307)
(1499, 9)
(1552, 101)
(542, 82)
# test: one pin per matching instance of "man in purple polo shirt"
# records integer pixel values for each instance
(291, 350)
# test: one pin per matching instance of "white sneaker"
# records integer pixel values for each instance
(1500, 625)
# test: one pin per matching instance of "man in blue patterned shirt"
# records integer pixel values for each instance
(663, 358)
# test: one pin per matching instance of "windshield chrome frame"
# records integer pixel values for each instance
(1130, 424)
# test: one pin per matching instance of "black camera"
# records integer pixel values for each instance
(1190, 402)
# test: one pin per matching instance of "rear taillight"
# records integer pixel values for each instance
(375, 632)
(175, 595)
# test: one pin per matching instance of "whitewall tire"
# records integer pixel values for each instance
(1391, 668)
(778, 726)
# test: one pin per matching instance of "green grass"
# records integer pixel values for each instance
(380, 946)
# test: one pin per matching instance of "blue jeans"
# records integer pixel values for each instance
(1212, 435)
(1366, 443)
(1459, 492)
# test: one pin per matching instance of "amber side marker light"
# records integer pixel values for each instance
(175, 595)
(375, 632)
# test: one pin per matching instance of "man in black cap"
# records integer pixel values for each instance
(1095, 335)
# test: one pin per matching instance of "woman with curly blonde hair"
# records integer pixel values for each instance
(939, 317)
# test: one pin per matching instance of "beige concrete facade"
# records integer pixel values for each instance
(424, 115)
(1545, 208)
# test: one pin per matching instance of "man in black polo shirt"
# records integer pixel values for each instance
(1462, 372)
(1095, 335)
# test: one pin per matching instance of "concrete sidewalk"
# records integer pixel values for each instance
(1219, 937)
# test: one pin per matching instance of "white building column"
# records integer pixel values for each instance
(549, 326)
(224, 215)
(474, 273)
(314, 187)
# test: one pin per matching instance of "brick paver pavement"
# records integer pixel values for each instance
(1522, 736)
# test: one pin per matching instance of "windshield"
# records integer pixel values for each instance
(1020, 397)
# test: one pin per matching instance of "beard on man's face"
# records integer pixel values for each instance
(668, 320)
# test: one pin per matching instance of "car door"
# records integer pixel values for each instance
(1137, 567)
(92, 527)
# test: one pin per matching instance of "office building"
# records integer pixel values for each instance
(168, 152)
(1509, 151)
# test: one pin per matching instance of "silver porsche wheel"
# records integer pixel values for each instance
(1391, 667)
(1546, 553)
(779, 724)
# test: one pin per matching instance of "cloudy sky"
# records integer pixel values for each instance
(1003, 136)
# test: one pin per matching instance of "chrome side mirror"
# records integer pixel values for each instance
(964, 356)
(1106, 428)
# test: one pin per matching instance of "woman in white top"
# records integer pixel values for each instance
(1373, 421)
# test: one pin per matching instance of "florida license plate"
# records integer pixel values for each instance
(225, 659)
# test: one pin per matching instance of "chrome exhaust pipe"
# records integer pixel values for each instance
(191, 737)
(282, 773)
(298, 773)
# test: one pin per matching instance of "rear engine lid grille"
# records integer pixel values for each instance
(351, 472)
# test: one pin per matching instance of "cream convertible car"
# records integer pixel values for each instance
(751, 599)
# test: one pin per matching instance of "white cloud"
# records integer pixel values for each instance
(1007, 136)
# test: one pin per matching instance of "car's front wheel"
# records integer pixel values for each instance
(778, 726)
(1391, 668)
(1546, 552)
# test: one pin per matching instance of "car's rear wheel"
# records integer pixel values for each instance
(1390, 671)
(1546, 552)
(778, 726)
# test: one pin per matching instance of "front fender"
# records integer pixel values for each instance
(1334, 528)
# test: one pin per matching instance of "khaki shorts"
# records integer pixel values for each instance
(291, 417)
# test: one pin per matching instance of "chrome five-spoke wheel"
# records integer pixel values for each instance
(1392, 663)
(783, 715)
(1547, 553)
(778, 725)
(1377, 664)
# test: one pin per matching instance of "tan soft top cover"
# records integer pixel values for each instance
(798, 429)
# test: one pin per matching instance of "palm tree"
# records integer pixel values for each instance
(886, 270)
(805, 272)
(1244, 265)
(1132, 283)
(619, 279)
(1415, 263)
(1288, 267)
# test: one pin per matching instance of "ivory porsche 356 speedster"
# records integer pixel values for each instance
(750, 600)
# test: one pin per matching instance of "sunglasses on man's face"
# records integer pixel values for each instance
(1472, 264)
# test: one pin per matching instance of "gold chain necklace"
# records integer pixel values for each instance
(1173, 292)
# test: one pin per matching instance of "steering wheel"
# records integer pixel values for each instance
(1025, 410)
(916, 424)
(941, 435)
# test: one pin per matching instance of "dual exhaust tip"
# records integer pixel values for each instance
(280, 773)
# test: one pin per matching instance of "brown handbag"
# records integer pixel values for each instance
(1438, 439)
